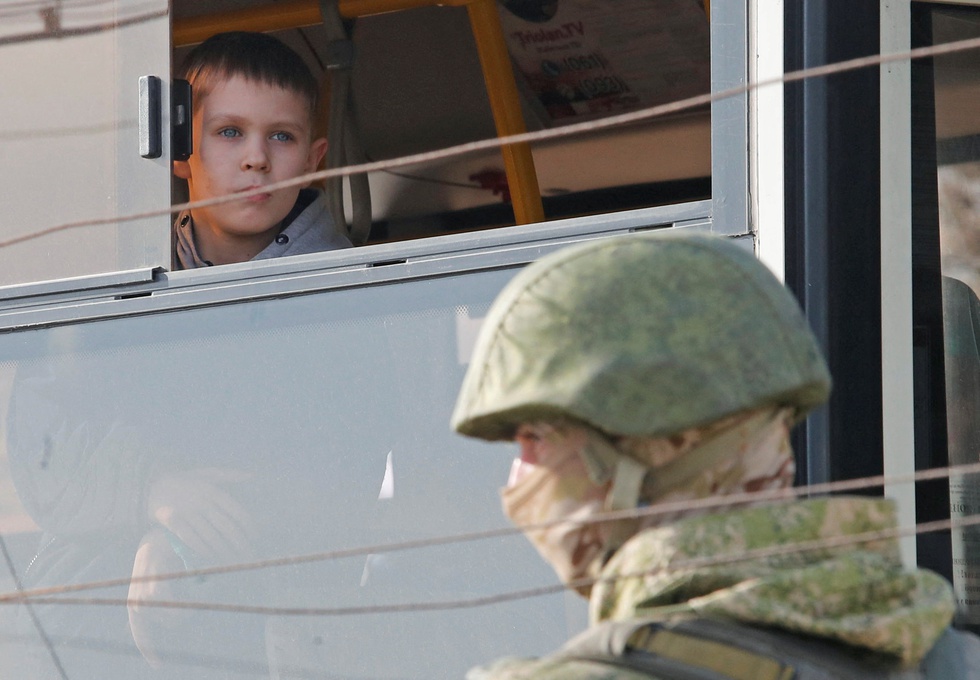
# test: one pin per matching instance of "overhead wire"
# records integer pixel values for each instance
(504, 597)
(523, 138)
(29, 7)
(527, 593)
(700, 504)
(36, 5)
(77, 31)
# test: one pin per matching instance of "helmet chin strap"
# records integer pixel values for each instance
(600, 457)
(624, 494)
(630, 480)
(605, 463)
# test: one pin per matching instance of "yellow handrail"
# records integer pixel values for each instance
(522, 179)
(494, 59)
(283, 15)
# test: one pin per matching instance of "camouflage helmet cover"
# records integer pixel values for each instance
(640, 335)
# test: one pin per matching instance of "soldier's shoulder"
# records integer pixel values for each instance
(554, 668)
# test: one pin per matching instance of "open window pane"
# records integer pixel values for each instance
(418, 86)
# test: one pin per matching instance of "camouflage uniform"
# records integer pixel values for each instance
(857, 594)
(673, 366)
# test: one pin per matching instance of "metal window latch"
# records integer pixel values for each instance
(151, 145)
(151, 119)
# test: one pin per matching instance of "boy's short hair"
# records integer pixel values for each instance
(253, 56)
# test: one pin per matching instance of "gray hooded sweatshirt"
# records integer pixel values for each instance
(308, 228)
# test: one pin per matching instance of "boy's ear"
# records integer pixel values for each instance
(318, 149)
(182, 169)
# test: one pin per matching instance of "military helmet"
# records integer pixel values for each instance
(640, 335)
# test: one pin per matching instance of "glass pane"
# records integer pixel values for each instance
(69, 74)
(262, 430)
(957, 89)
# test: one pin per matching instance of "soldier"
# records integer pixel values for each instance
(651, 369)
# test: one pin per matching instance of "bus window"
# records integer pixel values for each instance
(72, 146)
(956, 87)
(69, 138)
(418, 87)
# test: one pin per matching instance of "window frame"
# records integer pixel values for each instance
(154, 290)
(109, 297)
(109, 169)
(897, 343)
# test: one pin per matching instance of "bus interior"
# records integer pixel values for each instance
(418, 86)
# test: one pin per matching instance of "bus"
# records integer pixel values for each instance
(306, 399)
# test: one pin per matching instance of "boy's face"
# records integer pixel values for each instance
(247, 134)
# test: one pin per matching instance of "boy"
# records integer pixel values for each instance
(254, 102)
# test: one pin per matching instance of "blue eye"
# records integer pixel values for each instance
(282, 137)
(228, 132)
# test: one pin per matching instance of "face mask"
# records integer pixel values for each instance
(585, 474)
(561, 489)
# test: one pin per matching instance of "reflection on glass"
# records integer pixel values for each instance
(957, 88)
(280, 428)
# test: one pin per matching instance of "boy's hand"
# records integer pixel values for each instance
(195, 508)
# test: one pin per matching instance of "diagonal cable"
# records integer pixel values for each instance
(28, 606)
